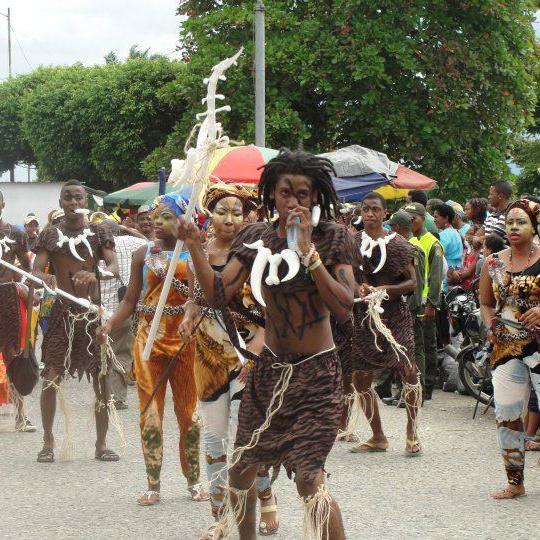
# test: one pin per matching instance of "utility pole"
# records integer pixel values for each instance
(10, 74)
(260, 82)
(9, 41)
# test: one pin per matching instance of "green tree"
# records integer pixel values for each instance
(443, 85)
(98, 123)
(14, 147)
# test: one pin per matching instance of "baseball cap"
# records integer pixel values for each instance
(29, 218)
(143, 209)
(400, 218)
(415, 208)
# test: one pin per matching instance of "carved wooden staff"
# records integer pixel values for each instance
(195, 172)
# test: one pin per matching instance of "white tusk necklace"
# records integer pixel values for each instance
(368, 244)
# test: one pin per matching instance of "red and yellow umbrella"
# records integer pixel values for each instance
(240, 164)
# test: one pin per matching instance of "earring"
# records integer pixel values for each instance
(315, 215)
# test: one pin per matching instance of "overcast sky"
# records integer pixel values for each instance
(54, 32)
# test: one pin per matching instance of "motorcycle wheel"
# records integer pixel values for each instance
(471, 376)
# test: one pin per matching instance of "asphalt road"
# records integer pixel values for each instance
(442, 494)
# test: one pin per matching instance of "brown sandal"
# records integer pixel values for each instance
(409, 448)
(369, 447)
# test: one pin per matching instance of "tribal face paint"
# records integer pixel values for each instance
(165, 221)
(228, 216)
(518, 226)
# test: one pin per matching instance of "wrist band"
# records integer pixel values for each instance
(315, 265)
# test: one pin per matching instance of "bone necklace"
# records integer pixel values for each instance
(4, 247)
(265, 256)
(368, 245)
(75, 241)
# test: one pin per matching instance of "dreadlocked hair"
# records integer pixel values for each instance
(319, 170)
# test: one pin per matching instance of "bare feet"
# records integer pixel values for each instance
(510, 492)
(373, 445)
(269, 519)
(149, 498)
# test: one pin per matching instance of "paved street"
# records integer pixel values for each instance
(443, 494)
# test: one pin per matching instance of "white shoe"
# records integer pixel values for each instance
(25, 426)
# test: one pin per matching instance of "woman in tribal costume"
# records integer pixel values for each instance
(510, 307)
(219, 374)
(148, 270)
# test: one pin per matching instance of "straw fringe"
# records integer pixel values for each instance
(317, 510)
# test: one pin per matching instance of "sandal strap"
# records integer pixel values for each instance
(150, 493)
(268, 509)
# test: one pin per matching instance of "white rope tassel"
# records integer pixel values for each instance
(232, 511)
(373, 315)
(68, 447)
(355, 414)
(317, 510)
(413, 409)
(357, 411)
(114, 420)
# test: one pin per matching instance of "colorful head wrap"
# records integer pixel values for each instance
(221, 190)
(174, 201)
(531, 208)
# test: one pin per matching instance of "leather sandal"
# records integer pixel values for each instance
(263, 527)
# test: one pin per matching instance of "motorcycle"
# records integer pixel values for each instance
(473, 356)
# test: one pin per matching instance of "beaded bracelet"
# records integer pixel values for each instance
(306, 259)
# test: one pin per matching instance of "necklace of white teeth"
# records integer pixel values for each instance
(266, 257)
(75, 241)
(368, 244)
(4, 247)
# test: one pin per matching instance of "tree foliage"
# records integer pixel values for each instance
(442, 85)
(93, 123)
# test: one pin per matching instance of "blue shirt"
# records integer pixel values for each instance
(453, 247)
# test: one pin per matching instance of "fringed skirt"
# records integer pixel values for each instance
(304, 429)
(373, 352)
(69, 345)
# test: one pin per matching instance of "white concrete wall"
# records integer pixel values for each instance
(21, 198)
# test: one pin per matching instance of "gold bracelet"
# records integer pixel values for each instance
(314, 258)
(315, 265)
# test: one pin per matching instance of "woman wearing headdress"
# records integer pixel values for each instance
(220, 375)
(148, 271)
(510, 308)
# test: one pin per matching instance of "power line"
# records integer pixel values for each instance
(21, 49)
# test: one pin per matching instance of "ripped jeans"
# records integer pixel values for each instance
(512, 383)
(220, 421)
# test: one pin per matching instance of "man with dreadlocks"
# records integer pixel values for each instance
(384, 340)
(71, 250)
(279, 422)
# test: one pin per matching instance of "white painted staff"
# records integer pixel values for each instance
(194, 171)
(83, 302)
